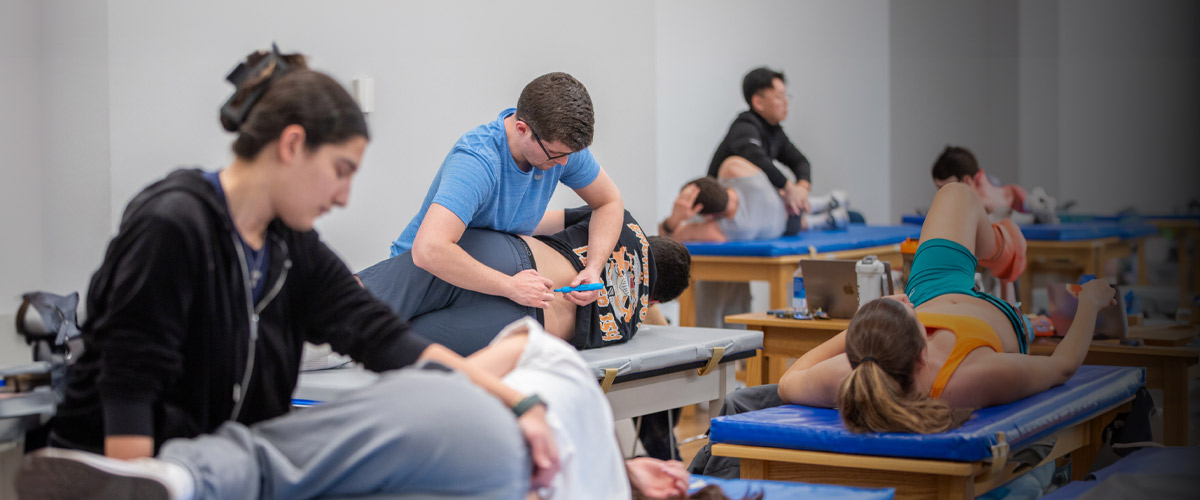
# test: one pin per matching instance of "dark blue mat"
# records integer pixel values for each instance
(855, 237)
(1023, 422)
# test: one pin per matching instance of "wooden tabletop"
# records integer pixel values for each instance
(1164, 335)
(764, 319)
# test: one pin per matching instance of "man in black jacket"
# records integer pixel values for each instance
(756, 136)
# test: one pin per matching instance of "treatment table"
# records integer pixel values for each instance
(800, 443)
(660, 368)
(776, 260)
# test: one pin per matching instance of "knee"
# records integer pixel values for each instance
(736, 166)
(954, 191)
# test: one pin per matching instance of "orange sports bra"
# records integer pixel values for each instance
(970, 334)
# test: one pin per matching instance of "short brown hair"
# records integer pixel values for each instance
(558, 108)
(712, 195)
(955, 162)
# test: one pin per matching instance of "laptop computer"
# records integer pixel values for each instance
(832, 286)
(1111, 321)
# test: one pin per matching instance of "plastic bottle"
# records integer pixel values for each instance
(870, 279)
(799, 299)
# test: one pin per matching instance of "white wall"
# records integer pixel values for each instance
(1129, 109)
(835, 57)
(439, 69)
(953, 82)
(20, 187)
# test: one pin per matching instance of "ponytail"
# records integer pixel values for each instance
(870, 400)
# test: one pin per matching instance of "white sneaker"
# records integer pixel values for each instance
(58, 474)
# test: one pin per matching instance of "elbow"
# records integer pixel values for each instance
(423, 256)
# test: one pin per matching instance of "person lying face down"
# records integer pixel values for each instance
(639, 272)
(919, 362)
(742, 205)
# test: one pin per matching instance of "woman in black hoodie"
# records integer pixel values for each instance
(214, 281)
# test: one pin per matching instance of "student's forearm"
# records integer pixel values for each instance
(480, 377)
(603, 233)
(1074, 346)
(454, 265)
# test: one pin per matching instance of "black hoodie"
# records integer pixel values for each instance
(168, 333)
(752, 138)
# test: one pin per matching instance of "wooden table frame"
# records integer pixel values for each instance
(1089, 255)
(1189, 262)
(1167, 368)
(777, 271)
(913, 477)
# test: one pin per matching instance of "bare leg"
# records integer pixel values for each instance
(958, 216)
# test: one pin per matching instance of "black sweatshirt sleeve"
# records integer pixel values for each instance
(746, 141)
(352, 321)
(795, 160)
(140, 330)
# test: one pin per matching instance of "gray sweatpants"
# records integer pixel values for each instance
(462, 320)
(416, 433)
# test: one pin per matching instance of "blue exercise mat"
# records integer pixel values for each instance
(1023, 422)
(739, 488)
(854, 237)
(1095, 228)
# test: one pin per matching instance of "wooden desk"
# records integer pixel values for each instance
(1167, 368)
(783, 338)
(777, 271)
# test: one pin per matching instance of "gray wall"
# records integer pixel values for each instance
(1095, 100)
(835, 57)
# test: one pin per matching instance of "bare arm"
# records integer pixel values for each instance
(435, 249)
(608, 214)
(817, 385)
(804, 383)
(707, 230)
(1006, 377)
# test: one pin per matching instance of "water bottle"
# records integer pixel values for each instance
(871, 283)
(799, 300)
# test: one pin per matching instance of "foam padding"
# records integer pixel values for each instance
(658, 349)
(1023, 422)
(854, 237)
(740, 488)
(1095, 228)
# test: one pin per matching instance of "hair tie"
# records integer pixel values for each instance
(234, 113)
(868, 358)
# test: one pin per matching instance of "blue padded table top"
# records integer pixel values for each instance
(1022, 422)
(740, 488)
(854, 237)
(1074, 231)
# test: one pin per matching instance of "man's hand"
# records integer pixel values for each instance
(588, 275)
(531, 289)
(795, 198)
(658, 479)
(542, 449)
(685, 206)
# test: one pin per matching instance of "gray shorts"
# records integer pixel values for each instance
(462, 320)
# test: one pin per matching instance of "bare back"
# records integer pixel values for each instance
(560, 316)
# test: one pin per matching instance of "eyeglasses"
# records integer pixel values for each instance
(543, 146)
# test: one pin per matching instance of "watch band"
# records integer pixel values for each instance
(526, 403)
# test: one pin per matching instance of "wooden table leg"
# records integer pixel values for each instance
(757, 369)
(687, 305)
(781, 279)
(1175, 403)
(1143, 276)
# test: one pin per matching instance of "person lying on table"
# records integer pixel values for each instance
(638, 272)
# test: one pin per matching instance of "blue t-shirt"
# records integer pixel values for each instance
(484, 187)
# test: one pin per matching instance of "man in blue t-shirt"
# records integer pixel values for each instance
(500, 176)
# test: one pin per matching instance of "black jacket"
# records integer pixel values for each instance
(167, 337)
(752, 138)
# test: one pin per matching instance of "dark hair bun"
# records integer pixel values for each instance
(252, 79)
